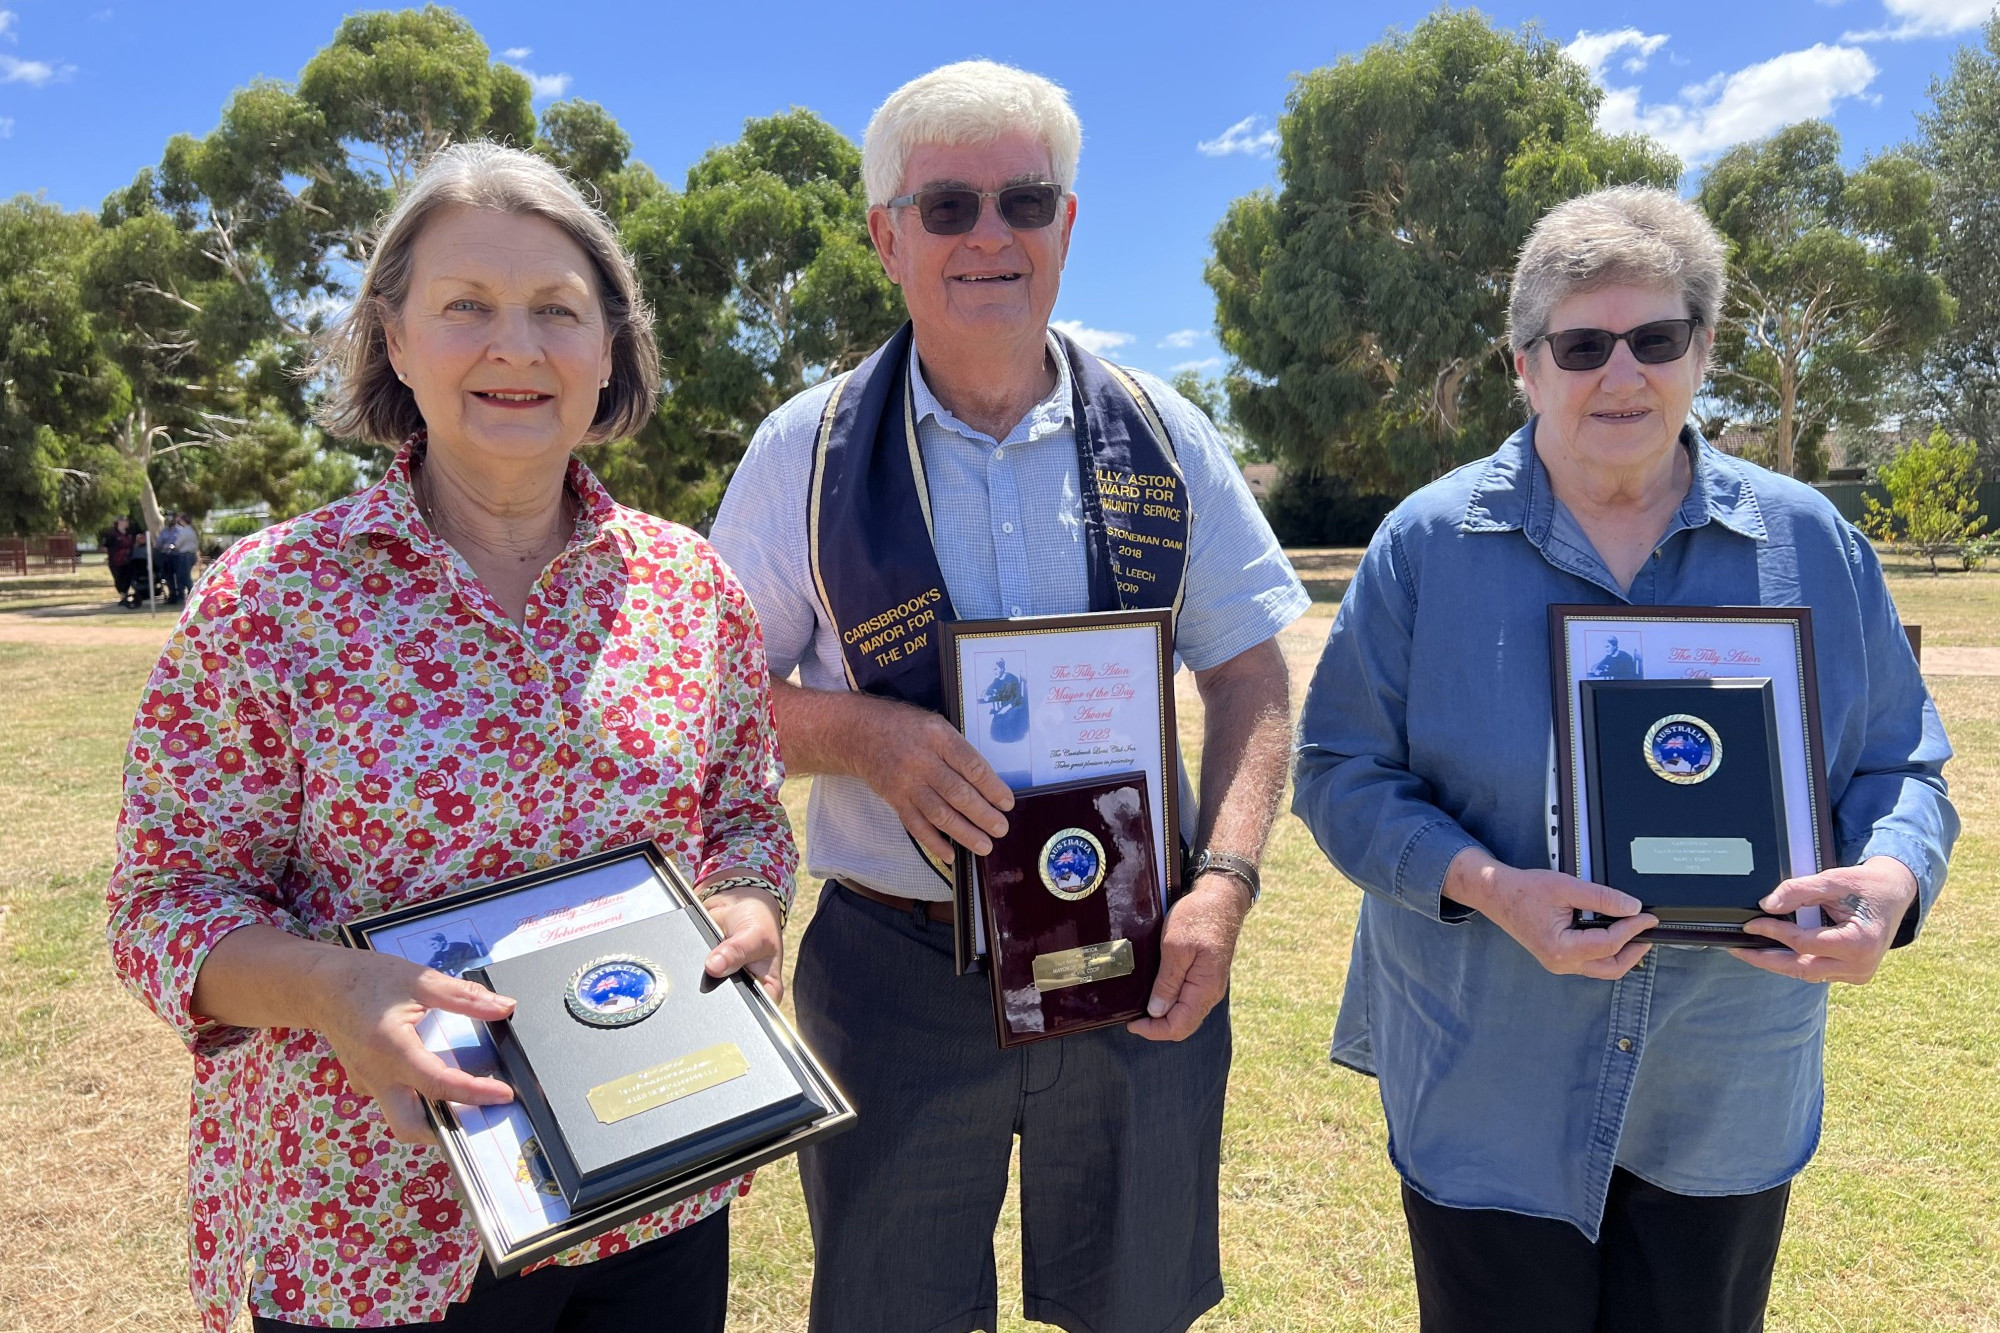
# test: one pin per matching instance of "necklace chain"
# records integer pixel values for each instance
(568, 508)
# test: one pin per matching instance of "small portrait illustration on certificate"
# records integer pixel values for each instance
(449, 946)
(1003, 701)
(1614, 656)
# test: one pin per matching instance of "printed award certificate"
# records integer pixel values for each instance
(1053, 700)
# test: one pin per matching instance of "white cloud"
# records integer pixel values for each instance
(1091, 340)
(6, 127)
(1707, 117)
(545, 86)
(1926, 18)
(13, 69)
(1200, 367)
(518, 52)
(1242, 137)
(1181, 339)
(1593, 50)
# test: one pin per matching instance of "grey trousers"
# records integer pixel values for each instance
(1120, 1145)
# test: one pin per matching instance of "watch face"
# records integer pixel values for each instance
(614, 991)
(1072, 864)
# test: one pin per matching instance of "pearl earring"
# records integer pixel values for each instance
(604, 384)
(401, 376)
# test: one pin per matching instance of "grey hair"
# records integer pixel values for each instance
(367, 402)
(970, 102)
(1625, 236)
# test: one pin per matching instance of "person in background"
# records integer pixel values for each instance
(1596, 1136)
(117, 544)
(179, 544)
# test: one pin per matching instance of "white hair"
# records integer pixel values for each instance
(970, 102)
(1625, 236)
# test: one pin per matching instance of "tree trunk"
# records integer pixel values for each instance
(135, 442)
(1788, 411)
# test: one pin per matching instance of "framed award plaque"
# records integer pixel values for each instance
(1072, 909)
(1689, 771)
(638, 1079)
(1057, 700)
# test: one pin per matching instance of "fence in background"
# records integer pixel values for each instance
(20, 554)
(1846, 497)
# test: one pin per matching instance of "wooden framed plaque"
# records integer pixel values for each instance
(1052, 700)
(639, 1080)
(1689, 770)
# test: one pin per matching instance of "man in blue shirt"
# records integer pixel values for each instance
(949, 471)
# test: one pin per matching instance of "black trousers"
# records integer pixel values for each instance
(1663, 1263)
(676, 1284)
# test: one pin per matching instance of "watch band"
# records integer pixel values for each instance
(715, 886)
(1228, 863)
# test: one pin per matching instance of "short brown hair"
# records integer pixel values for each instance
(367, 402)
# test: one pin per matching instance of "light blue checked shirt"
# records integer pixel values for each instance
(1009, 534)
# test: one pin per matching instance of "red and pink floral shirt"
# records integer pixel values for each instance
(344, 721)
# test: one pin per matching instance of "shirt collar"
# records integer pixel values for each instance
(1056, 412)
(1513, 491)
(389, 507)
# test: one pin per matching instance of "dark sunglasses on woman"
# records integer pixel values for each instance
(950, 211)
(1652, 344)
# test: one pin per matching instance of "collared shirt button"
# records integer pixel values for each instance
(1016, 611)
(1624, 1043)
(999, 455)
(1006, 527)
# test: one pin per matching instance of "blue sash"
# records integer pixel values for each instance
(877, 572)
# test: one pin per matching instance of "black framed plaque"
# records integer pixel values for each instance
(1688, 768)
(1073, 912)
(1051, 700)
(639, 1080)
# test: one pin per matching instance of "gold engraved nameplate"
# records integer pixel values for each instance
(1074, 967)
(628, 1096)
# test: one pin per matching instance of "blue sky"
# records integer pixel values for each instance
(1177, 99)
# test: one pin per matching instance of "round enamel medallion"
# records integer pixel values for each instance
(1683, 749)
(1072, 864)
(613, 991)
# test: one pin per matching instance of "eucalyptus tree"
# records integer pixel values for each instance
(1364, 301)
(1831, 285)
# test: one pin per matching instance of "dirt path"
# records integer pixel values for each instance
(87, 626)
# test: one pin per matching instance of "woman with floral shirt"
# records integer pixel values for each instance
(478, 666)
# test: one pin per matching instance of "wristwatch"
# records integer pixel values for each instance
(1227, 863)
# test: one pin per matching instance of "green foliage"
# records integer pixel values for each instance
(1960, 381)
(1830, 288)
(56, 388)
(149, 355)
(763, 281)
(1365, 302)
(1324, 509)
(404, 83)
(584, 141)
(1933, 507)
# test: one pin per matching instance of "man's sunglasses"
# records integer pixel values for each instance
(1652, 344)
(954, 212)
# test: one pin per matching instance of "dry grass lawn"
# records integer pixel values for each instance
(1895, 1226)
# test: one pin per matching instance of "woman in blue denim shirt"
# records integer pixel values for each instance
(1595, 1135)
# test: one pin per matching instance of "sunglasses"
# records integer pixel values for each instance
(954, 212)
(1652, 344)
